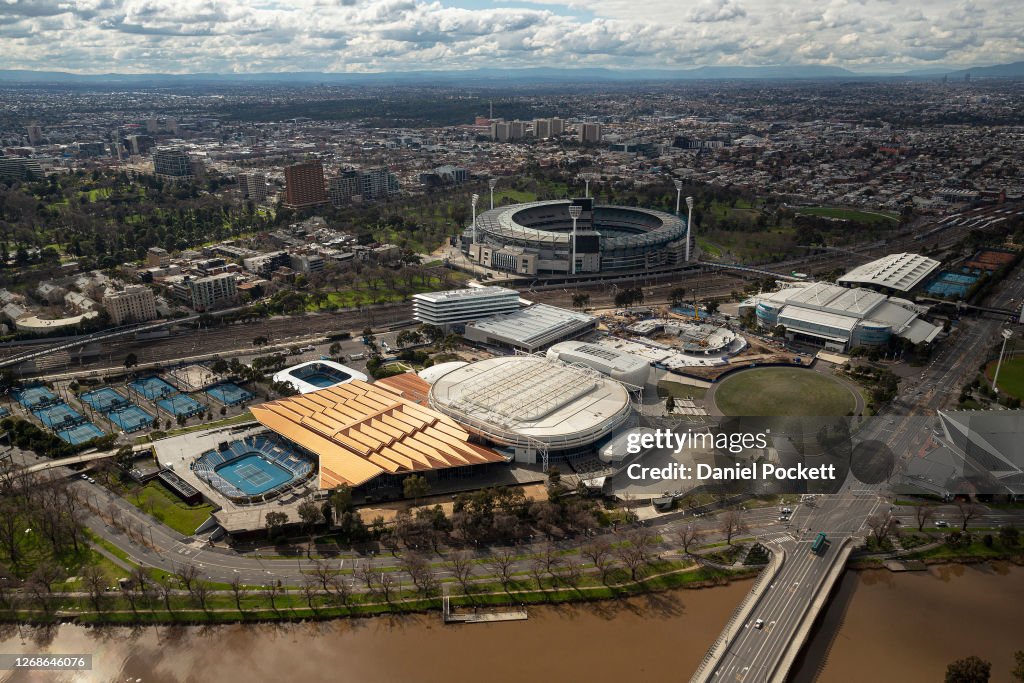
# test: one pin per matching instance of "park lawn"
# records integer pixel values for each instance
(709, 248)
(666, 389)
(850, 214)
(1011, 376)
(783, 391)
(514, 196)
(161, 504)
(351, 298)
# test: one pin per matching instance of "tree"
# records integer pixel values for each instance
(580, 300)
(688, 535)
(971, 669)
(501, 562)
(1009, 536)
(599, 551)
(309, 589)
(96, 581)
(922, 515)
(460, 564)
(881, 525)
(334, 349)
(275, 522)
(1018, 669)
(260, 341)
(968, 511)
(187, 573)
(311, 515)
(731, 524)
(670, 404)
(676, 296)
(271, 590)
(239, 591)
(131, 360)
(415, 486)
(200, 593)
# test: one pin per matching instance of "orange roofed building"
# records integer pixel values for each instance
(373, 435)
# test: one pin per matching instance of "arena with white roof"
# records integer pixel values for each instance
(840, 318)
(892, 273)
(534, 405)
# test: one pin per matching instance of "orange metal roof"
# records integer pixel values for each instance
(361, 430)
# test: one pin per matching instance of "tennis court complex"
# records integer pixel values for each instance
(58, 415)
(229, 394)
(80, 433)
(152, 387)
(34, 396)
(119, 410)
(104, 399)
(256, 467)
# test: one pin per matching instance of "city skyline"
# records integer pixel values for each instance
(198, 36)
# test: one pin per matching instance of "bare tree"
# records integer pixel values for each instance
(310, 584)
(200, 593)
(323, 573)
(596, 550)
(922, 515)
(460, 564)
(551, 559)
(731, 524)
(881, 525)
(41, 597)
(46, 573)
(271, 590)
(367, 574)
(688, 535)
(538, 570)
(239, 591)
(95, 580)
(187, 574)
(341, 592)
(387, 585)
(633, 556)
(166, 587)
(572, 574)
(501, 562)
(968, 511)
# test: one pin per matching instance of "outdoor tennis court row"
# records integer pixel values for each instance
(66, 422)
(119, 410)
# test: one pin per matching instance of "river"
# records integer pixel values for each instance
(913, 623)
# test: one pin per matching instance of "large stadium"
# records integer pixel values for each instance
(536, 238)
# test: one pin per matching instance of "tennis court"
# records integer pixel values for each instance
(33, 396)
(229, 394)
(58, 415)
(152, 387)
(104, 400)
(131, 418)
(80, 433)
(253, 475)
(951, 284)
(180, 404)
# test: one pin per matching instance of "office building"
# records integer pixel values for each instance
(171, 163)
(253, 186)
(134, 304)
(35, 135)
(590, 132)
(460, 306)
(304, 184)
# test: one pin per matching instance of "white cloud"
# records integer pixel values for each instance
(253, 35)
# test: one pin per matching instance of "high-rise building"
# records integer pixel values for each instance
(152, 126)
(135, 304)
(253, 186)
(206, 293)
(371, 184)
(542, 128)
(35, 135)
(590, 132)
(140, 144)
(501, 131)
(157, 257)
(172, 163)
(304, 184)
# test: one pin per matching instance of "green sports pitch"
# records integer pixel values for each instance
(858, 215)
(1011, 376)
(783, 391)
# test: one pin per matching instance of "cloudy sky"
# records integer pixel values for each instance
(180, 36)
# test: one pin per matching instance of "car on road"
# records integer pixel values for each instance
(942, 524)
(787, 511)
(759, 624)
(85, 476)
(306, 349)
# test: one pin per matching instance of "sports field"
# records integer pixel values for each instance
(783, 391)
(858, 215)
(1011, 376)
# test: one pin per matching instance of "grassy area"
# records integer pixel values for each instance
(161, 504)
(976, 550)
(783, 392)
(678, 390)
(377, 292)
(237, 419)
(851, 214)
(709, 248)
(1011, 376)
(513, 196)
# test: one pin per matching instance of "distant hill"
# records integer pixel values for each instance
(541, 75)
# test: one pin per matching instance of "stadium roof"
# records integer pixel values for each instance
(534, 327)
(360, 431)
(901, 272)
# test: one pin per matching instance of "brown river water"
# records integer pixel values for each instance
(908, 625)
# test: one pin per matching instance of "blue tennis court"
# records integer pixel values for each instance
(80, 433)
(152, 387)
(104, 399)
(131, 418)
(58, 415)
(180, 404)
(951, 284)
(253, 475)
(33, 396)
(229, 394)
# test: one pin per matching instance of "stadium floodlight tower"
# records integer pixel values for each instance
(574, 212)
(586, 177)
(476, 198)
(689, 226)
(491, 183)
(1007, 334)
(679, 193)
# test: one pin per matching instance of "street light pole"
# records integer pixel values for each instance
(689, 226)
(1007, 334)
(476, 198)
(574, 212)
(491, 184)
